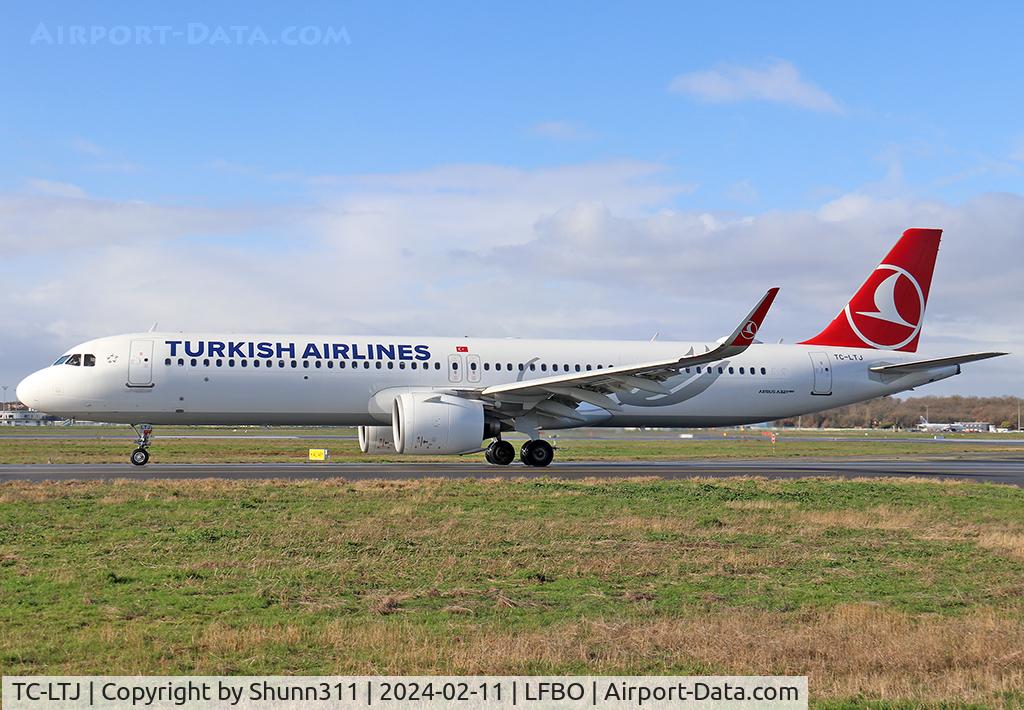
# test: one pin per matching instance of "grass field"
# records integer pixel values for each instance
(195, 449)
(886, 590)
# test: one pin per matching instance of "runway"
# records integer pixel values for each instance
(1007, 469)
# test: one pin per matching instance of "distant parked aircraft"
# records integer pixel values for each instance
(925, 425)
(416, 395)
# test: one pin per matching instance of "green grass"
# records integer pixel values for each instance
(865, 586)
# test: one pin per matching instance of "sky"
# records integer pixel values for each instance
(533, 169)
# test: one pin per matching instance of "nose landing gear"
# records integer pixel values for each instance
(140, 457)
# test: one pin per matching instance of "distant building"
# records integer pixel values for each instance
(26, 417)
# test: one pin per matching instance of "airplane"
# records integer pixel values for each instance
(925, 425)
(973, 427)
(430, 395)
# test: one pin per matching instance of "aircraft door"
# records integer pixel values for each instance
(455, 366)
(822, 373)
(473, 368)
(140, 364)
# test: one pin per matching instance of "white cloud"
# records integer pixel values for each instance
(777, 81)
(86, 146)
(54, 188)
(743, 191)
(63, 220)
(560, 130)
(592, 250)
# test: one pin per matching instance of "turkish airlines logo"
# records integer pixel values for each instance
(749, 330)
(888, 311)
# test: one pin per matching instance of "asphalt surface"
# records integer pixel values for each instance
(1006, 468)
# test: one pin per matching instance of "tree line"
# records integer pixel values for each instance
(890, 412)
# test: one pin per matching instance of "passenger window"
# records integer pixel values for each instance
(255, 363)
(521, 367)
(391, 364)
(219, 362)
(509, 367)
(764, 371)
(742, 372)
(330, 364)
(533, 367)
(578, 368)
(455, 366)
(413, 365)
(731, 371)
(565, 367)
(194, 362)
(437, 366)
(401, 364)
(472, 366)
(206, 362)
(231, 363)
(75, 360)
(294, 364)
(89, 360)
(588, 368)
(181, 362)
(719, 371)
(167, 361)
(243, 363)
(366, 365)
(487, 366)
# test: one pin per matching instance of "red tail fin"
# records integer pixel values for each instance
(887, 311)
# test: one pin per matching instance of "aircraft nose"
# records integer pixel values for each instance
(28, 390)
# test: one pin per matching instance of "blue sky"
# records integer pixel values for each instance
(436, 138)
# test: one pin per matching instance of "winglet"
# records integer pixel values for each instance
(746, 331)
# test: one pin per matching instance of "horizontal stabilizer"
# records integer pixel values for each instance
(920, 365)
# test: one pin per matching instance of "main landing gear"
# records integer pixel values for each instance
(140, 457)
(537, 453)
(533, 453)
(500, 453)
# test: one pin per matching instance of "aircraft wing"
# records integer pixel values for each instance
(918, 365)
(595, 386)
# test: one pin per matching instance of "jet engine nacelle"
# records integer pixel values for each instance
(434, 423)
(376, 440)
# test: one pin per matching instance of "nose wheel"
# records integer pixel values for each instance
(537, 453)
(140, 457)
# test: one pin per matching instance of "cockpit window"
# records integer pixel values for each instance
(75, 359)
(61, 360)
(89, 360)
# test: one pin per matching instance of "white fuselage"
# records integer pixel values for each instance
(207, 378)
